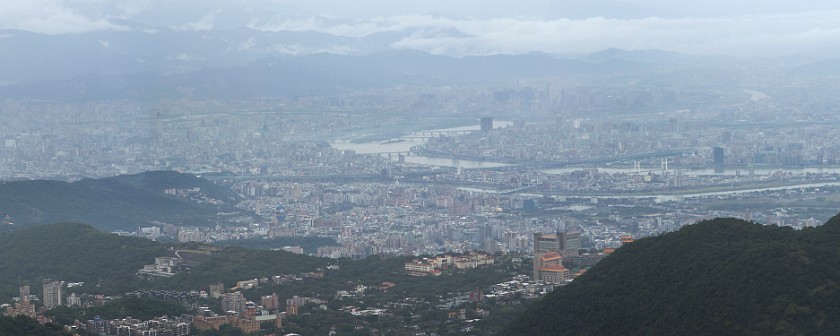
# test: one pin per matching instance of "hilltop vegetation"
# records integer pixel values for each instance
(72, 252)
(142, 309)
(22, 325)
(235, 263)
(717, 277)
(116, 203)
(108, 263)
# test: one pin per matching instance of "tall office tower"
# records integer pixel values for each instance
(52, 294)
(547, 243)
(717, 155)
(24, 294)
(571, 243)
(565, 243)
(486, 124)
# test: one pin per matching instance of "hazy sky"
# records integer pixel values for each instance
(742, 27)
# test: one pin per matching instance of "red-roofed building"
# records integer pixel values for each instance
(554, 274)
(548, 267)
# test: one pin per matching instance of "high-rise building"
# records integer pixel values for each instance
(717, 156)
(547, 243)
(52, 294)
(233, 302)
(24, 294)
(73, 300)
(565, 243)
(571, 243)
(486, 124)
(270, 301)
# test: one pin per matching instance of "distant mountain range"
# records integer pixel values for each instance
(116, 203)
(152, 63)
(32, 57)
(829, 67)
(717, 277)
(330, 74)
(28, 56)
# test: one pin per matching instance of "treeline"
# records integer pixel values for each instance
(141, 309)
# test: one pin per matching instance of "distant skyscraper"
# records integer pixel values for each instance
(547, 243)
(52, 293)
(24, 294)
(717, 155)
(486, 124)
(565, 243)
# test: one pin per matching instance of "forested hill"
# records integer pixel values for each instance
(717, 277)
(22, 325)
(75, 253)
(116, 203)
(108, 263)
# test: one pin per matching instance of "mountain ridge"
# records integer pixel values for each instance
(716, 277)
(116, 203)
(326, 74)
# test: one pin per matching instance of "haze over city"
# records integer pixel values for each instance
(419, 167)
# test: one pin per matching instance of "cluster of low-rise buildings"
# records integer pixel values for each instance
(433, 265)
(159, 326)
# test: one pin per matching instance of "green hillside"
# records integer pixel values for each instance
(235, 263)
(142, 309)
(108, 263)
(116, 203)
(717, 277)
(22, 325)
(72, 252)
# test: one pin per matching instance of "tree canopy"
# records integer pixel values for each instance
(716, 277)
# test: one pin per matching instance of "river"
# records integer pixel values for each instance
(677, 197)
(405, 143)
(758, 171)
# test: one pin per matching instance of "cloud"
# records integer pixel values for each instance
(205, 23)
(187, 57)
(753, 35)
(298, 49)
(51, 17)
(747, 28)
